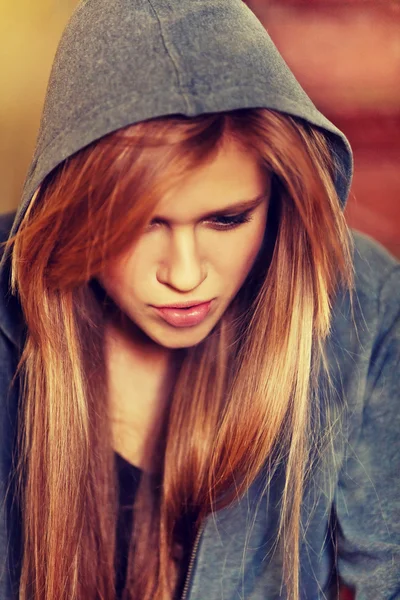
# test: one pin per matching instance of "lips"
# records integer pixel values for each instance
(187, 304)
(185, 317)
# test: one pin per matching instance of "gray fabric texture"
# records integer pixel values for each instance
(126, 61)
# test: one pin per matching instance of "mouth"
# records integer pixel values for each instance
(184, 305)
(186, 316)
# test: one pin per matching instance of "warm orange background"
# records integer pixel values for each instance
(346, 54)
(29, 33)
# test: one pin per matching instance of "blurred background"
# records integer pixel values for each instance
(345, 53)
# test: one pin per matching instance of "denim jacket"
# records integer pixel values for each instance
(122, 62)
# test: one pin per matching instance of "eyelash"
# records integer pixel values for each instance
(229, 222)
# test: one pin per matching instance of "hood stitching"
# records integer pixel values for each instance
(174, 64)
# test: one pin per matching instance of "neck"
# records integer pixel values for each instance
(140, 378)
(123, 336)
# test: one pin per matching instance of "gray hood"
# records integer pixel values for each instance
(126, 61)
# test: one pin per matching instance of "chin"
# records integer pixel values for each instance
(181, 339)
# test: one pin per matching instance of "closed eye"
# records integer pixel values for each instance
(232, 221)
(220, 222)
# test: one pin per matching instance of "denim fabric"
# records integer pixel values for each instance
(125, 61)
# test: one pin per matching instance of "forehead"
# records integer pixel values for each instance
(232, 176)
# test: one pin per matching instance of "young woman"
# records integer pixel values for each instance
(198, 359)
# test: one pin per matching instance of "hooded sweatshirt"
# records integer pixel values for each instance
(125, 61)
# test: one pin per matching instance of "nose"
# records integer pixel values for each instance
(182, 267)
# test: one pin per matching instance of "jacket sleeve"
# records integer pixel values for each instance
(367, 499)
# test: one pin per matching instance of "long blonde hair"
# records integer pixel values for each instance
(252, 382)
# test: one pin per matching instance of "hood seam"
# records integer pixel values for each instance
(174, 64)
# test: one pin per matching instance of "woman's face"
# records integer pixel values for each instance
(189, 253)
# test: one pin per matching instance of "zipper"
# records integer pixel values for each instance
(192, 558)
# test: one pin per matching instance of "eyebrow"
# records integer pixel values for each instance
(237, 207)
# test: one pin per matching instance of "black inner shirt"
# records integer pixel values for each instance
(129, 478)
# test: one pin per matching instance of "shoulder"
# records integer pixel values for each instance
(365, 328)
(374, 266)
(376, 292)
(11, 319)
(6, 221)
(377, 283)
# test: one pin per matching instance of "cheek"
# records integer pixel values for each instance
(117, 280)
(129, 276)
(235, 258)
